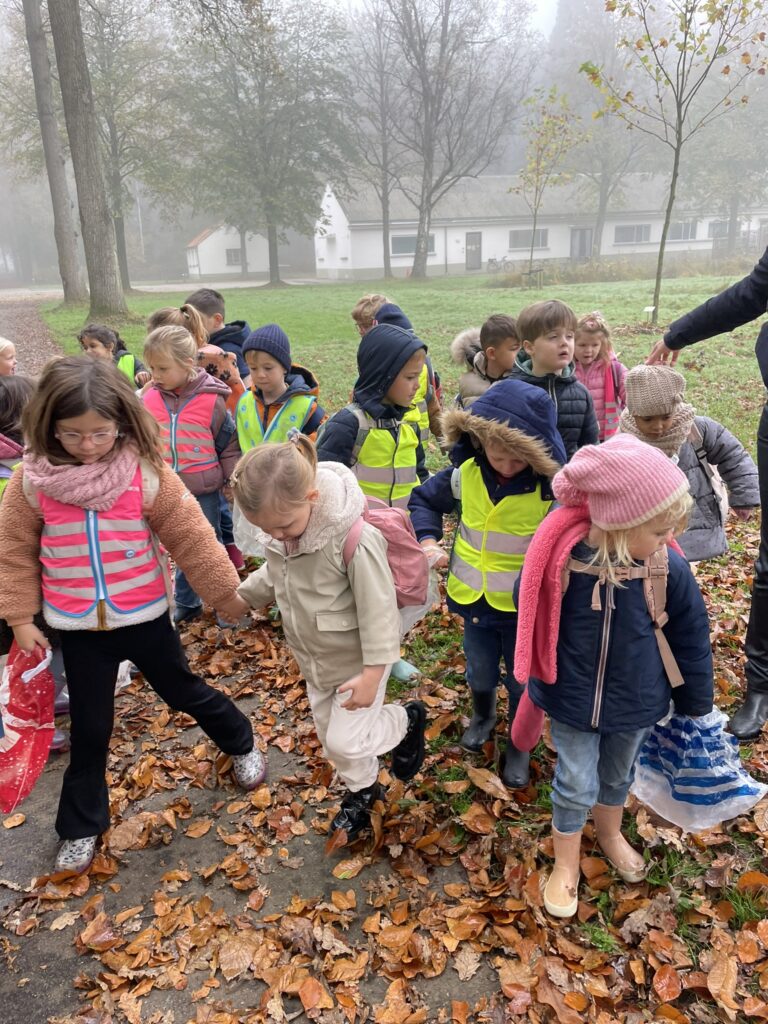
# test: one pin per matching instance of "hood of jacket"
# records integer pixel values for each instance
(465, 347)
(382, 354)
(300, 381)
(234, 333)
(524, 368)
(519, 416)
(339, 503)
(201, 384)
(10, 449)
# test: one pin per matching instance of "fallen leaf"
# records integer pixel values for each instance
(489, 782)
(349, 868)
(721, 981)
(64, 920)
(667, 984)
(576, 1000)
(752, 880)
(235, 956)
(466, 963)
(314, 996)
(198, 828)
(14, 821)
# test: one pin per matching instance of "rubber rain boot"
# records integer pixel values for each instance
(628, 863)
(483, 721)
(561, 891)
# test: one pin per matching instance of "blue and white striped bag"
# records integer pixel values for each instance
(689, 772)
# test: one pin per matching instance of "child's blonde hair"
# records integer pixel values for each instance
(5, 345)
(180, 316)
(275, 475)
(175, 342)
(595, 323)
(613, 545)
(366, 308)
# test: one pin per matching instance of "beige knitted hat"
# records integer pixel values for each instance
(653, 390)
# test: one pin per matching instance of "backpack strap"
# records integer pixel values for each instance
(697, 443)
(352, 540)
(150, 484)
(363, 429)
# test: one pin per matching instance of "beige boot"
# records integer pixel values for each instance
(560, 893)
(628, 862)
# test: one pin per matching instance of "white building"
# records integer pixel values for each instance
(481, 219)
(215, 252)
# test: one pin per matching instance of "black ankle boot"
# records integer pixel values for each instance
(515, 767)
(483, 721)
(751, 716)
(355, 811)
(408, 755)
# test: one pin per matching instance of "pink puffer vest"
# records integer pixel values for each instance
(188, 444)
(92, 559)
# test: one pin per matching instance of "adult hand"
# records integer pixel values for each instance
(28, 637)
(661, 354)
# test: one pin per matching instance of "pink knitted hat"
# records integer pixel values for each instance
(624, 482)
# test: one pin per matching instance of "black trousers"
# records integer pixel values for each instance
(756, 644)
(91, 660)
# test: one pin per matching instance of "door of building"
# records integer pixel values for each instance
(473, 250)
(581, 243)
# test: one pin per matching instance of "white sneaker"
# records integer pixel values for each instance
(76, 854)
(250, 769)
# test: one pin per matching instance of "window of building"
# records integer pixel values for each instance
(405, 245)
(521, 238)
(233, 257)
(682, 230)
(631, 234)
(717, 229)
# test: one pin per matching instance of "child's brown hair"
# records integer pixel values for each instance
(544, 316)
(366, 308)
(15, 392)
(207, 301)
(275, 475)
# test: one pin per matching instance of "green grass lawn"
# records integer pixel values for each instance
(722, 375)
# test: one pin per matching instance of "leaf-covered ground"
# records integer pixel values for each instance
(211, 906)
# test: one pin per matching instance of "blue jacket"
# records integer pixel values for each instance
(230, 338)
(506, 411)
(635, 692)
(740, 304)
(381, 355)
(576, 418)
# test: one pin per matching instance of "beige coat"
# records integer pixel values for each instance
(336, 620)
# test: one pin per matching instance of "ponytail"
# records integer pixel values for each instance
(180, 316)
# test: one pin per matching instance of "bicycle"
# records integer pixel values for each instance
(495, 265)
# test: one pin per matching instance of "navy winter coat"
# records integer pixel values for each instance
(633, 691)
(741, 303)
(230, 338)
(576, 418)
(381, 355)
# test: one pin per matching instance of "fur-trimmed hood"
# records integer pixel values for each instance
(465, 347)
(519, 416)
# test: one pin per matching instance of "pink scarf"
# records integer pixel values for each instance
(96, 486)
(9, 449)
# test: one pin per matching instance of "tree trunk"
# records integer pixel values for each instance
(665, 229)
(419, 268)
(274, 259)
(63, 222)
(533, 244)
(118, 212)
(385, 186)
(602, 210)
(733, 223)
(243, 252)
(84, 144)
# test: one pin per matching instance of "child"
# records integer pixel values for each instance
(425, 410)
(591, 656)
(103, 343)
(282, 397)
(8, 359)
(547, 330)
(600, 371)
(341, 621)
(657, 414)
(80, 522)
(229, 337)
(489, 353)
(504, 450)
(221, 365)
(371, 436)
(199, 440)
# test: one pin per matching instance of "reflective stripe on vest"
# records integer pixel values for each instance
(250, 432)
(188, 444)
(88, 557)
(491, 541)
(418, 412)
(127, 365)
(386, 467)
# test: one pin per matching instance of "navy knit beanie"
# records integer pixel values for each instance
(389, 313)
(270, 338)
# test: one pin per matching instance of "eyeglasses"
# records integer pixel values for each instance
(74, 439)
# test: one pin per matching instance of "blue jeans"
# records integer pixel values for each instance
(484, 647)
(209, 503)
(592, 768)
(225, 516)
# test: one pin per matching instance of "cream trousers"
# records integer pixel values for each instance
(353, 740)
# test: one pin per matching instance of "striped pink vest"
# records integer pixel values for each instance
(89, 557)
(188, 444)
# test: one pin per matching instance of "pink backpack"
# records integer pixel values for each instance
(406, 557)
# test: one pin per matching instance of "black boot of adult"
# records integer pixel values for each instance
(483, 721)
(514, 764)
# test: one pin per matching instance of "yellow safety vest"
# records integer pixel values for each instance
(491, 540)
(250, 433)
(127, 365)
(418, 414)
(386, 458)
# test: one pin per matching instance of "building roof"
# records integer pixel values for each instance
(205, 233)
(488, 198)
